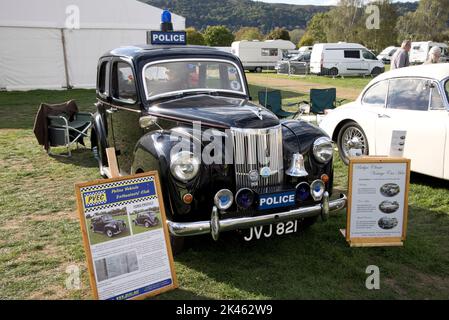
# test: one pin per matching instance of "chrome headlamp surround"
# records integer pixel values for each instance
(184, 166)
(323, 149)
(223, 199)
(317, 189)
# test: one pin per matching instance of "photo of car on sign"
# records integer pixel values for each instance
(105, 226)
(390, 190)
(388, 206)
(387, 223)
(145, 220)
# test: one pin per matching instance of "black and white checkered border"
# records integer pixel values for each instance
(121, 203)
(123, 183)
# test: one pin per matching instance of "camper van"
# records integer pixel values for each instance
(259, 55)
(420, 51)
(344, 59)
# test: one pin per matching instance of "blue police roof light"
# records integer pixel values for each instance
(166, 16)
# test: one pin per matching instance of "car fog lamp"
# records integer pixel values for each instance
(323, 149)
(223, 199)
(302, 191)
(245, 198)
(317, 189)
(184, 166)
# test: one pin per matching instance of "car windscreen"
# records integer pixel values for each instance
(173, 77)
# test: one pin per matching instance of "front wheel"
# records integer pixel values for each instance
(351, 136)
(259, 69)
(109, 233)
(334, 72)
(376, 71)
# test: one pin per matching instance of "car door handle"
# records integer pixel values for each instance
(379, 115)
(111, 110)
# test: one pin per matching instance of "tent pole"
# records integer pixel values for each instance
(64, 50)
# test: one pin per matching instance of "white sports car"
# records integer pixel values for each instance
(413, 99)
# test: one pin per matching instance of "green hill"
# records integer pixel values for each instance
(246, 13)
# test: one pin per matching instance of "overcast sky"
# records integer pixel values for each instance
(316, 2)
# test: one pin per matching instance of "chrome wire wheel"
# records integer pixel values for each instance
(351, 136)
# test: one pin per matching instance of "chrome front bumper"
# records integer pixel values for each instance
(215, 225)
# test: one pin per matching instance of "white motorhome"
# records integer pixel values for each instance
(420, 51)
(258, 55)
(344, 59)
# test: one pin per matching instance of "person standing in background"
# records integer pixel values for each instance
(434, 55)
(401, 57)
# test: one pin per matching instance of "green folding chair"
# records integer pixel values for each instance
(272, 100)
(321, 100)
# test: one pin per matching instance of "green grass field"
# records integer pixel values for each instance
(98, 237)
(40, 234)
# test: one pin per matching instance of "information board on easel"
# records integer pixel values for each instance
(125, 235)
(377, 211)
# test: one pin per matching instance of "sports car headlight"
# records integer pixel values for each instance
(323, 149)
(184, 166)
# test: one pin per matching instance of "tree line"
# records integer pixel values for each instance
(354, 21)
(232, 20)
(221, 36)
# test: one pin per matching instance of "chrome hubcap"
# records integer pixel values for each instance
(353, 138)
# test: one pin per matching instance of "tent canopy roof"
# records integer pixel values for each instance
(98, 14)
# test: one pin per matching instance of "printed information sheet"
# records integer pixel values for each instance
(125, 236)
(378, 205)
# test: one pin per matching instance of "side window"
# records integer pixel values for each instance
(270, 52)
(376, 95)
(368, 55)
(103, 79)
(436, 102)
(409, 94)
(352, 54)
(124, 83)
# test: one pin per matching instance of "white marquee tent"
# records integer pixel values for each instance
(41, 48)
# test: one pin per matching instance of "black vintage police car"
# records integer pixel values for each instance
(174, 109)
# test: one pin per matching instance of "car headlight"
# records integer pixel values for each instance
(184, 166)
(323, 149)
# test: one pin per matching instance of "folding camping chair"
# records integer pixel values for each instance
(321, 101)
(61, 124)
(63, 132)
(272, 100)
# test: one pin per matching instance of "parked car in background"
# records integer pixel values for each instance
(151, 99)
(413, 99)
(420, 51)
(298, 64)
(259, 55)
(387, 54)
(304, 49)
(107, 225)
(344, 59)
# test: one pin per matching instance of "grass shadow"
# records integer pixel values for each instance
(80, 157)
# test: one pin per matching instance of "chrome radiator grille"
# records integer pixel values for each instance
(255, 150)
